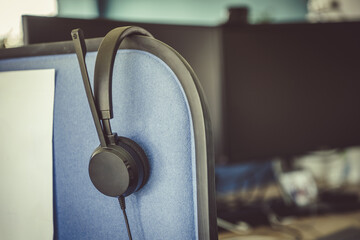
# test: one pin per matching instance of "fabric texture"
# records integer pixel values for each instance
(151, 109)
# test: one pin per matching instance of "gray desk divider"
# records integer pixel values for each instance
(158, 103)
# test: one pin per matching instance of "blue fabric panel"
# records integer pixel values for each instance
(150, 108)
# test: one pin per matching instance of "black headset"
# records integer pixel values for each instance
(119, 166)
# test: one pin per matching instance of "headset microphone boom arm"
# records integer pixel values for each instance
(80, 48)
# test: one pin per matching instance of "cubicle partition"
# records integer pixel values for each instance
(158, 103)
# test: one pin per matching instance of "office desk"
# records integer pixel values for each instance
(310, 227)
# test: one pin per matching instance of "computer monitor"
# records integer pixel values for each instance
(274, 90)
(290, 89)
(199, 45)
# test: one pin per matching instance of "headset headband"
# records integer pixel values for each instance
(104, 68)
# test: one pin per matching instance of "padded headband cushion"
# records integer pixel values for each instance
(104, 67)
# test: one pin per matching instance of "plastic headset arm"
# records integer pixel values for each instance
(80, 49)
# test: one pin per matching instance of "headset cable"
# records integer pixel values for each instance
(123, 207)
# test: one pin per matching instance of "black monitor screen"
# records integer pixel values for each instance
(290, 89)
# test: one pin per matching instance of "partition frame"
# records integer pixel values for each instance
(203, 139)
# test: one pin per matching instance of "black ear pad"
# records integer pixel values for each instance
(119, 169)
(144, 162)
(114, 171)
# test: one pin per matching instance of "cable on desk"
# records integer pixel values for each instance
(276, 225)
(123, 207)
(232, 227)
(296, 234)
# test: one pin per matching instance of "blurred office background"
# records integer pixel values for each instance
(244, 186)
(189, 12)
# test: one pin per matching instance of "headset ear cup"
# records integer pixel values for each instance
(141, 156)
(109, 171)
